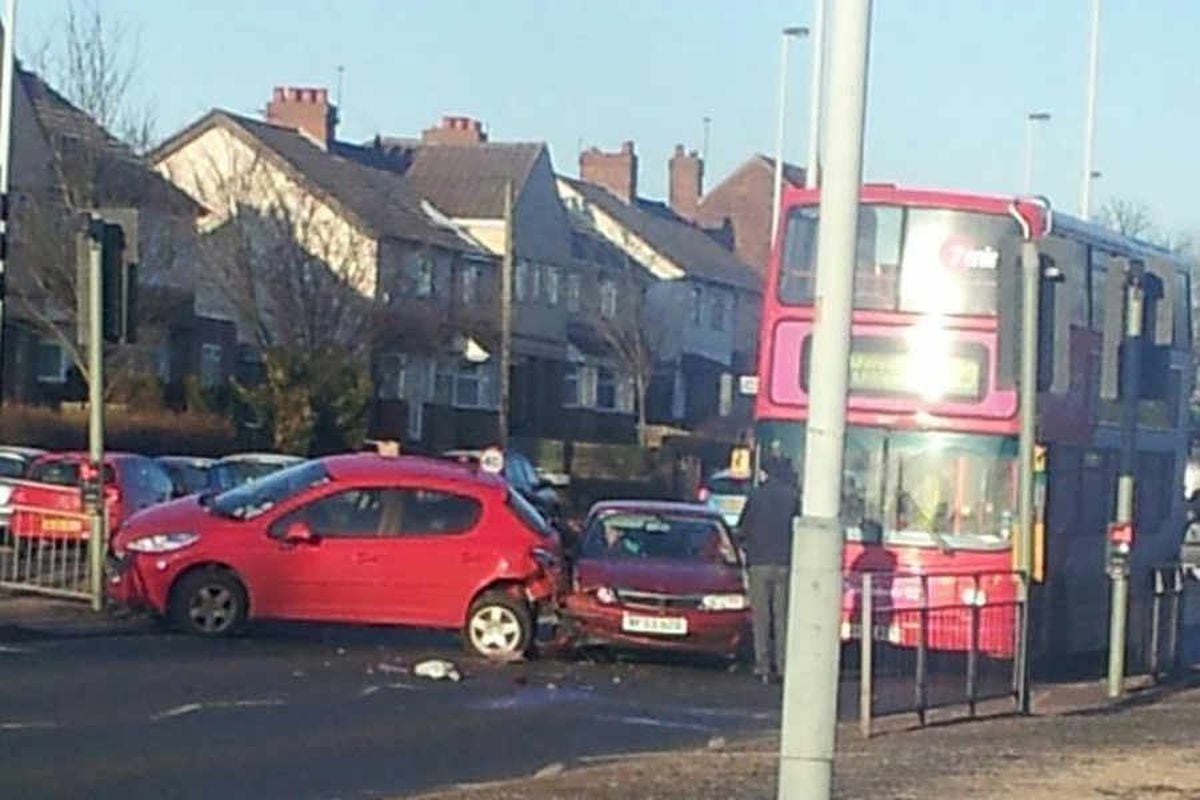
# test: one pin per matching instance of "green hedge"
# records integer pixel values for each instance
(148, 432)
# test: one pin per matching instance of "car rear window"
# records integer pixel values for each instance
(528, 514)
(729, 486)
(63, 473)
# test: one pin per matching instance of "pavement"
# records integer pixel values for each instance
(102, 707)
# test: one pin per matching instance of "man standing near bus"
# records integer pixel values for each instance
(765, 528)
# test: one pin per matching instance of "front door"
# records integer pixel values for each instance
(336, 575)
(431, 561)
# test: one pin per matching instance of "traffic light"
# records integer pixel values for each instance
(118, 277)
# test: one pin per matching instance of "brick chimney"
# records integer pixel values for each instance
(306, 108)
(616, 172)
(455, 130)
(686, 173)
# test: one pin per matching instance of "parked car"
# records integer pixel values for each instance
(231, 471)
(522, 476)
(188, 474)
(14, 463)
(726, 493)
(660, 575)
(359, 538)
(131, 483)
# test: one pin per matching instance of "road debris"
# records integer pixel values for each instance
(436, 669)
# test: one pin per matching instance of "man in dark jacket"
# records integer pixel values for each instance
(766, 531)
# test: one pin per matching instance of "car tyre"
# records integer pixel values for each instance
(499, 627)
(209, 602)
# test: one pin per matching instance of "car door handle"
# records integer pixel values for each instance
(365, 558)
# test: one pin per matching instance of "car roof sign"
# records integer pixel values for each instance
(492, 460)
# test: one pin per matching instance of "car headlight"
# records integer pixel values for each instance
(724, 602)
(161, 542)
(606, 595)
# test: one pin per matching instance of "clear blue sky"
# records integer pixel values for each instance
(951, 80)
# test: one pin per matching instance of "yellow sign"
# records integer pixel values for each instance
(1039, 458)
(739, 462)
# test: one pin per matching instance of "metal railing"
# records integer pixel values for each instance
(1173, 644)
(936, 641)
(46, 552)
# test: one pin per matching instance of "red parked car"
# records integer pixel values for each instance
(360, 538)
(658, 575)
(131, 483)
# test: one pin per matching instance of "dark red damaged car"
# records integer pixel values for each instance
(657, 575)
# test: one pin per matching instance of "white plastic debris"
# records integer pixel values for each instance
(391, 669)
(437, 669)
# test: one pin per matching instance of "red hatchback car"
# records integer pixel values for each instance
(360, 538)
(50, 497)
(658, 575)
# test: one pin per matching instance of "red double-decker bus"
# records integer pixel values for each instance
(930, 481)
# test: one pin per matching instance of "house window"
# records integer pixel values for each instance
(521, 281)
(475, 386)
(390, 374)
(423, 285)
(725, 402)
(626, 395)
(697, 304)
(574, 292)
(470, 285)
(50, 362)
(608, 299)
(718, 312)
(606, 389)
(573, 385)
(210, 365)
(535, 279)
(552, 285)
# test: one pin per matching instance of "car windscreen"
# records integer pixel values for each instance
(675, 537)
(257, 497)
(528, 514)
(63, 473)
(11, 466)
(727, 485)
(189, 478)
(230, 474)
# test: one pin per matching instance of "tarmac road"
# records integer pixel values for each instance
(327, 712)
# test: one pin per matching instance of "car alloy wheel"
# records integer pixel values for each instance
(496, 631)
(212, 609)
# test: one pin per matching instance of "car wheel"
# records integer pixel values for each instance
(499, 627)
(209, 602)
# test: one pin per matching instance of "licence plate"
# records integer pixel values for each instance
(663, 626)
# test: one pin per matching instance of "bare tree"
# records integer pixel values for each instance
(95, 61)
(1127, 217)
(634, 335)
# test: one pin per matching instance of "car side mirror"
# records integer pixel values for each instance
(298, 532)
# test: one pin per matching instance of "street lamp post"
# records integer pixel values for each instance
(816, 84)
(790, 33)
(1031, 119)
(1089, 128)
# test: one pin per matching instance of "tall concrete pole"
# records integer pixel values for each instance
(1089, 128)
(810, 686)
(781, 124)
(6, 93)
(95, 348)
(812, 165)
(507, 270)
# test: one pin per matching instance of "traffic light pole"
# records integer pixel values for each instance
(1031, 279)
(95, 345)
(810, 686)
(1118, 564)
